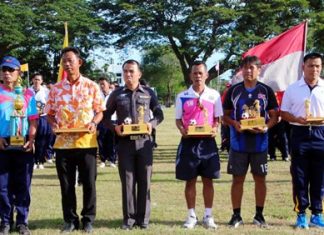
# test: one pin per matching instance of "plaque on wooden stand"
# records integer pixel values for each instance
(200, 130)
(68, 115)
(309, 117)
(251, 117)
(136, 129)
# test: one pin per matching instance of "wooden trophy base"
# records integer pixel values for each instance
(314, 120)
(200, 130)
(135, 129)
(71, 130)
(16, 143)
(248, 124)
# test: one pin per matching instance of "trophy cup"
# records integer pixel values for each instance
(18, 121)
(308, 115)
(200, 130)
(70, 119)
(134, 129)
(251, 117)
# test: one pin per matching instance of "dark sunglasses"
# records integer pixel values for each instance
(7, 69)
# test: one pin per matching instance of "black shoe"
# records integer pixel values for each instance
(260, 221)
(87, 227)
(4, 229)
(23, 229)
(273, 158)
(126, 227)
(143, 226)
(69, 227)
(235, 221)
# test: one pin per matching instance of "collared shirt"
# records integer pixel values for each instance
(41, 97)
(294, 99)
(192, 106)
(74, 105)
(237, 99)
(7, 98)
(126, 103)
(105, 98)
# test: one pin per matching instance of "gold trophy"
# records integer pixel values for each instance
(200, 130)
(70, 118)
(134, 129)
(251, 117)
(308, 115)
(18, 121)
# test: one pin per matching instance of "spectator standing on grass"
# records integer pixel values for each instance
(307, 141)
(198, 156)
(75, 102)
(44, 132)
(106, 137)
(135, 152)
(249, 147)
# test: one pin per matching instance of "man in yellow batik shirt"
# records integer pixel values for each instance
(75, 103)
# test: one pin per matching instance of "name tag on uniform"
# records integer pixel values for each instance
(135, 137)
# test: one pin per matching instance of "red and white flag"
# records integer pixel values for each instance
(282, 57)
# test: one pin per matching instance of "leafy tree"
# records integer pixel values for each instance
(162, 71)
(198, 29)
(34, 32)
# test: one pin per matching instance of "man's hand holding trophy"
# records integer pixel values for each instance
(135, 129)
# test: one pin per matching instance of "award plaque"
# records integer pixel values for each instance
(200, 130)
(309, 117)
(18, 121)
(70, 118)
(135, 129)
(251, 117)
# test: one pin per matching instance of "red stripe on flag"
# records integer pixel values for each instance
(284, 44)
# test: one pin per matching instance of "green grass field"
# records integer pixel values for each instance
(168, 203)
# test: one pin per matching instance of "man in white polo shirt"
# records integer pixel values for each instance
(307, 141)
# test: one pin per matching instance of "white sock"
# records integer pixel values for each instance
(191, 212)
(208, 212)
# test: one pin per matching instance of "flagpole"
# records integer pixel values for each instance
(305, 35)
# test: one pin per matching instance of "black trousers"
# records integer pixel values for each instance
(67, 162)
(135, 170)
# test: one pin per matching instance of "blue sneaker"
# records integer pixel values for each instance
(301, 221)
(317, 221)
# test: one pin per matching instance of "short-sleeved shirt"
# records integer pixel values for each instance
(294, 99)
(126, 104)
(7, 98)
(192, 106)
(74, 105)
(236, 98)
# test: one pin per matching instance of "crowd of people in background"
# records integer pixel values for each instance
(103, 107)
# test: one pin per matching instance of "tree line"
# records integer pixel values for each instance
(171, 33)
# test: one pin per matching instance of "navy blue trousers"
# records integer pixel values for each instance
(106, 144)
(44, 140)
(16, 169)
(307, 167)
(278, 138)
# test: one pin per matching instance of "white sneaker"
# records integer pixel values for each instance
(190, 222)
(209, 223)
(41, 166)
(35, 166)
(49, 161)
(102, 165)
(113, 165)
